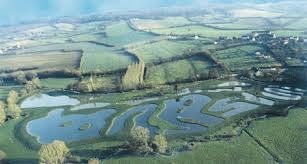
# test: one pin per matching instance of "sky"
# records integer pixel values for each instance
(14, 11)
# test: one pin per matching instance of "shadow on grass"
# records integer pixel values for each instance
(102, 153)
(19, 161)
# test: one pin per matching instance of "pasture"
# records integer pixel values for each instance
(166, 49)
(42, 60)
(245, 55)
(177, 71)
(202, 31)
(120, 34)
(286, 137)
(149, 24)
(236, 151)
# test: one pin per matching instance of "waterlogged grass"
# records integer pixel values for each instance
(201, 31)
(286, 137)
(241, 150)
(178, 71)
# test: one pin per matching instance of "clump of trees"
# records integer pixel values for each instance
(139, 141)
(13, 110)
(134, 76)
(96, 83)
(54, 153)
(2, 113)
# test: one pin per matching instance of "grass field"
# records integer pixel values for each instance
(300, 24)
(201, 31)
(237, 151)
(57, 83)
(103, 59)
(120, 34)
(95, 57)
(14, 150)
(245, 55)
(247, 23)
(285, 136)
(159, 51)
(41, 60)
(148, 24)
(178, 70)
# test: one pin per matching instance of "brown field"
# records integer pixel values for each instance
(42, 60)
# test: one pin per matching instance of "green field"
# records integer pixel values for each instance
(120, 34)
(57, 83)
(245, 55)
(284, 136)
(201, 31)
(247, 23)
(237, 151)
(299, 24)
(95, 57)
(41, 60)
(103, 59)
(159, 51)
(14, 150)
(148, 24)
(178, 70)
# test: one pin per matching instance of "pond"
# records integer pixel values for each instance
(142, 120)
(176, 111)
(240, 107)
(255, 99)
(68, 128)
(287, 98)
(119, 122)
(44, 100)
(235, 89)
(230, 108)
(233, 84)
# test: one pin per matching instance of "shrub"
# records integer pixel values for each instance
(13, 110)
(138, 140)
(53, 153)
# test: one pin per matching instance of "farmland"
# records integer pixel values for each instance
(284, 136)
(202, 31)
(146, 24)
(163, 50)
(179, 71)
(42, 60)
(245, 55)
(216, 83)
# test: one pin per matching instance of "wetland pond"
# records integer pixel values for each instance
(44, 100)
(68, 128)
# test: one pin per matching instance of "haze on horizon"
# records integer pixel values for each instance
(16, 11)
